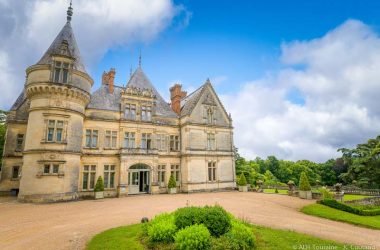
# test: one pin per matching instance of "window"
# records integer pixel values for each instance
(51, 168)
(19, 142)
(146, 141)
(210, 141)
(146, 113)
(174, 170)
(210, 116)
(161, 142)
(130, 112)
(111, 139)
(174, 143)
(91, 138)
(161, 175)
(109, 176)
(129, 140)
(15, 172)
(89, 172)
(61, 72)
(211, 171)
(54, 131)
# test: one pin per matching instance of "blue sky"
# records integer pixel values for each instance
(233, 41)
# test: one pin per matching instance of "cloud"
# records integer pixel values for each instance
(27, 28)
(337, 77)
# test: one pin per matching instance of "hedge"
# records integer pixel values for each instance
(344, 207)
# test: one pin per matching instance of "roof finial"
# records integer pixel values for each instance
(70, 11)
(140, 59)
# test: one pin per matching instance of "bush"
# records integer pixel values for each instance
(224, 243)
(241, 235)
(195, 237)
(304, 182)
(187, 216)
(344, 207)
(326, 194)
(217, 220)
(242, 181)
(161, 228)
(172, 183)
(99, 186)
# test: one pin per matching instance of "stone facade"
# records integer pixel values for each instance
(61, 137)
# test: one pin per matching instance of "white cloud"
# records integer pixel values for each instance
(27, 27)
(338, 77)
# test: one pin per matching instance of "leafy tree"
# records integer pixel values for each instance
(327, 173)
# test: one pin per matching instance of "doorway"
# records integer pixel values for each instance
(139, 179)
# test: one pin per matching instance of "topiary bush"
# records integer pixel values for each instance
(195, 237)
(172, 183)
(99, 186)
(344, 207)
(217, 220)
(304, 182)
(242, 181)
(187, 216)
(161, 228)
(241, 236)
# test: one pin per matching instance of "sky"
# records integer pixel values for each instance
(300, 78)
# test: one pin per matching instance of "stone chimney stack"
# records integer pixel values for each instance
(176, 94)
(108, 78)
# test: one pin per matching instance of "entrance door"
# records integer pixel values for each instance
(138, 179)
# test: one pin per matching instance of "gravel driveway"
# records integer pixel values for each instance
(70, 225)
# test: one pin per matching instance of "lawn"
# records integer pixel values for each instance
(127, 237)
(338, 215)
(351, 197)
(272, 191)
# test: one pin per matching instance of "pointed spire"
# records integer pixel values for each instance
(70, 11)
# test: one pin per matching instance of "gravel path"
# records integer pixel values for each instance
(70, 225)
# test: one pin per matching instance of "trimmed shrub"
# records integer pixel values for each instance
(187, 216)
(242, 181)
(304, 182)
(172, 183)
(241, 235)
(195, 237)
(161, 228)
(224, 243)
(99, 186)
(217, 220)
(344, 207)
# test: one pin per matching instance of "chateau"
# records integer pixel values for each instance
(61, 137)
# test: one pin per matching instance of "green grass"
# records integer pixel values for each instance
(351, 197)
(272, 191)
(127, 237)
(337, 215)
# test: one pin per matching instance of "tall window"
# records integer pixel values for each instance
(89, 172)
(161, 142)
(55, 131)
(19, 142)
(146, 113)
(51, 168)
(91, 138)
(129, 139)
(174, 170)
(61, 72)
(174, 143)
(161, 175)
(146, 141)
(15, 172)
(210, 141)
(109, 176)
(210, 116)
(211, 171)
(130, 112)
(110, 139)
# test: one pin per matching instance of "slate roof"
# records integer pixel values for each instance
(66, 34)
(20, 99)
(188, 103)
(104, 100)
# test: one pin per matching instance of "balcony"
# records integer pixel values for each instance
(139, 151)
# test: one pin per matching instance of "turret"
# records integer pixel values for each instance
(58, 88)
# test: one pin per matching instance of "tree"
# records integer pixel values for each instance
(99, 186)
(172, 183)
(327, 173)
(304, 182)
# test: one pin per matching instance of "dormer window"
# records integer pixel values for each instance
(61, 72)
(146, 113)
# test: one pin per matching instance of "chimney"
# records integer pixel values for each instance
(108, 78)
(176, 94)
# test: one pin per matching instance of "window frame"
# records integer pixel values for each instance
(91, 171)
(174, 144)
(61, 71)
(19, 142)
(161, 175)
(109, 170)
(54, 130)
(51, 168)
(175, 170)
(13, 172)
(146, 141)
(211, 141)
(211, 171)
(129, 139)
(131, 114)
(90, 135)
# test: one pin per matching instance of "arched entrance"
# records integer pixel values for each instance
(139, 179)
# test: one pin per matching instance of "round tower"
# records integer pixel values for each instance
(58, 88)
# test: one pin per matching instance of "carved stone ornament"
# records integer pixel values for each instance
(209, 100)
